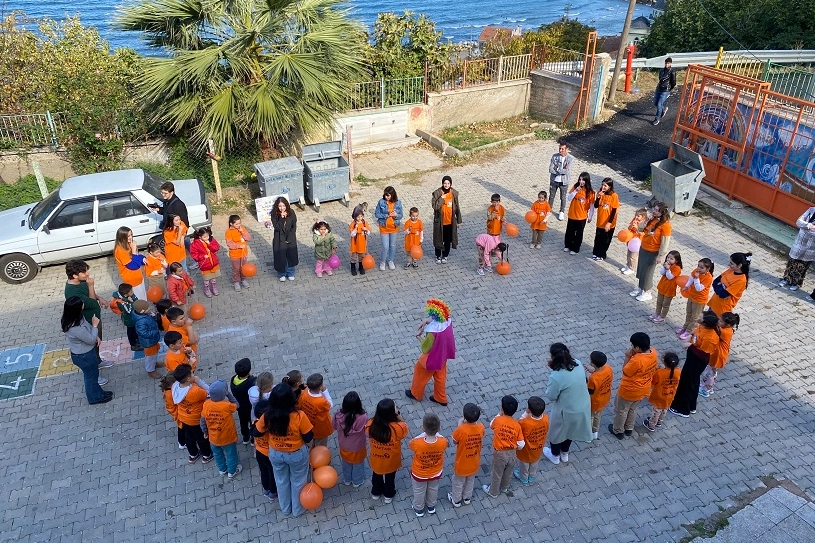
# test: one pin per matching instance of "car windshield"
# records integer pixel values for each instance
(43, 209)
(152, 184)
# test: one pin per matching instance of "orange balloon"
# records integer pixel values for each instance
(503, 268)
(155, 293)
(530, 216)
(311, 496)
(319, 456)
(682, 280)
(197, 311)
(368, 262)
(625, 235)
(249, 270)
(416, 252)
(511, 229)
(325, 477)
(685, 293)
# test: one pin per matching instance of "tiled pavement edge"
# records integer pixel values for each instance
(110, 473)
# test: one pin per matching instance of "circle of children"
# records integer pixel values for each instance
(286, 420)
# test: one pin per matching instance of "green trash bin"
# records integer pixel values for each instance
(676, 180)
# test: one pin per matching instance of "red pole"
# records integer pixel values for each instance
(629, 70)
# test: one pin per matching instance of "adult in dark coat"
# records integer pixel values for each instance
(446, 218)
(284, 243)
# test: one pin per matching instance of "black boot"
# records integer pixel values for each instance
(361, 269)
(353, 269)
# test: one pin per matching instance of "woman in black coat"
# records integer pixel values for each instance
(284, 243)
(446, 218)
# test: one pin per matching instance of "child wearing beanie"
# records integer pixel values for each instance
(148, 333)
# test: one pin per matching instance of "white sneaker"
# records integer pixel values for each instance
(782, 283)
(628, 272)
(560, 216)
(391, 265)
(623, 269)
(645, 297)
(531, 245)
(480, 272)
(564, 457)
(547, 452)
(572, 253)
(282, 279)
(381, 266)
(444, 260)
(387, 500)
(595, 435)
(102, 381)
(290, 278)
(565, 249)
(635, 292)
(538, 246)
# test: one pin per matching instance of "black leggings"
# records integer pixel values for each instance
(687, 391)
(602, 241)
(558, 448)
(266, 474)
(383, 485)
(574, 234)
(447, 241)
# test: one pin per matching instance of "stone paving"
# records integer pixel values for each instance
(74, 472)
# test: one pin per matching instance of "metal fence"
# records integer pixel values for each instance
(31, 130)
(387, 92)
(796, 80)
(557, 60)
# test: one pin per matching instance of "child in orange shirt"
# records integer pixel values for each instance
(358, 246)
(166, 386)
(507, 438)
(177, 353)
(666, 288)
(316, 403)
(386, 431)
(542, 208)
(599, 383)
(534, 429)
(496, 216)
(174, 247)
(704, 342)
(631, 258)
(467, 437)
(728, 323)
(428, 464)
(183, 325)
(581, 211)
(697, 290)
(155, 266)
(414, 236)
(218, 425)
(179, 285)
(350, 422)
(189, 394)
(237, 239)
(663, 390)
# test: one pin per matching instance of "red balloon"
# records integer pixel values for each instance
(503, 268)
(368, 262)
(319, 456)
(682, 280)
(511, 229)
(325, 477)
(530, 216)
(625, 235)
(155, 293)
(249, 270)
(197, 311)
(311, 496)
(416, 252)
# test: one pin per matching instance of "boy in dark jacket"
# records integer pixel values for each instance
(148, 334)
(240, 384)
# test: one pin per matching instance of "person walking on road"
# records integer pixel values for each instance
(666, 83)
(560, 168)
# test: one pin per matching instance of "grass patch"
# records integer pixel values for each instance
(469, 136)
(24, 191)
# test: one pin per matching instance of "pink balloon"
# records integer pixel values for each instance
(334, 262)
(634, 245)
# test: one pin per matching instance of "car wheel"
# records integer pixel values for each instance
(18, 268)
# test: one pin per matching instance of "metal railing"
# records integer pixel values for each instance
(557, 60)
(797, 80)
(387, 93)
(708, 58)
(31, 130)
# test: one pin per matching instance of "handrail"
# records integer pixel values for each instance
(708, 58)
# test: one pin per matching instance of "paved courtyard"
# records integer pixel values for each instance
(78, 473)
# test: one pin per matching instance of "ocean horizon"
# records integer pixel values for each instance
(462, 24)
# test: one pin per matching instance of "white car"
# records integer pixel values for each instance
(81, 217)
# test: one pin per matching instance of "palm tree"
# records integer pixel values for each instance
(271, 70)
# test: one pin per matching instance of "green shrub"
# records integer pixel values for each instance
(25, 191)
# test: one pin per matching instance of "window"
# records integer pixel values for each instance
(121, 206)
(76, 213)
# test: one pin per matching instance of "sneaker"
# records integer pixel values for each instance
(105, 364)
(538, 246)
(623, 269)
(565, 249)
(783, 283)
(108, 396)
(375, 497)
(592, 257)
(693, 411)
(290, 278)
(466, 501)
(531, 245)
(357, 486)
(486, 489)
(655, 122)
(644, 297)
(704, 393)
(629, 432)
(415, 264)
(628, 271)
(236, 286)
(271, 495)
(677, 413)
(388, 500)
(391, 265)
(659, 319)
(517, 474)
(245, 442)
(319, 274)
(560, 216)
(652, 317)
(419, 512)
(407, 265)
(647, 424)
(679, 331)
(444, 260)
(431, 510)
(635, 292)
(599, 259)
(221, 473)
(450, 498)
(381, 266)
(281, 279)
(664, 111)
(102, 381)
(438, 260)
(685, 336)
(206, 459)
(619, 436)
(480, 272)
(564, 457)
(488, 269)
(572, 253)
(329, 273)
(181, 447)
(793, 288)
(547, 452)
(809, 298)
(595, 435)
(193, 459)
(245, 283)
(347, 483)
(238, 469)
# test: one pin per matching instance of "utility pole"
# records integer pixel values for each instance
(621, 53)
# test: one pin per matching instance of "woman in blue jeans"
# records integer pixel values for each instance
(388, 214)
(83, 338)
(288, 430)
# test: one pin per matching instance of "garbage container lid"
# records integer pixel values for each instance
(277, 166)
(322, 151)
(687, 157)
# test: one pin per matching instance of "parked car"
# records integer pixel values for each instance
(81, 217)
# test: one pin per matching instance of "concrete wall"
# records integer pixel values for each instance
(551, 95)
(477, 104)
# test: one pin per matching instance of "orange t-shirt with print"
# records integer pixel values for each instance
(428, 458)
(494, 217)
(185, 338)
(667, 287)
(541, 209)
(604, 207)
(413, 234)
(174, 359)
(133, 278)
(318, 411)
(220, 422)
(600, 382)
(580, 204)
(239, 238)
(700, 296)
(735, 284)
(170, 406)
(390, 223)
(262, 442)
(534, 432)
(447, 209)
(189, 410)
(387, 457)
(293, 440)
(358, 243)
(506, 433)
(705, 339)
(173, 252)
(652, 235)
(718, 358)
(468, 437)
(635, 383)
(154, 266)
(663, 387)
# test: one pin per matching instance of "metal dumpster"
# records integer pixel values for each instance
(326, 173)
(281, 177)
(676, 180)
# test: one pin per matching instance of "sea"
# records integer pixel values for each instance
(458, 22)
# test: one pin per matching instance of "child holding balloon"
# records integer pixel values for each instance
(325, 246)
(204, 250)
(237, 239)
(537, 218)
(414, 237)
(632, 257)
(666, 288)
(696, 290)
(350, 422)
(359, 230)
